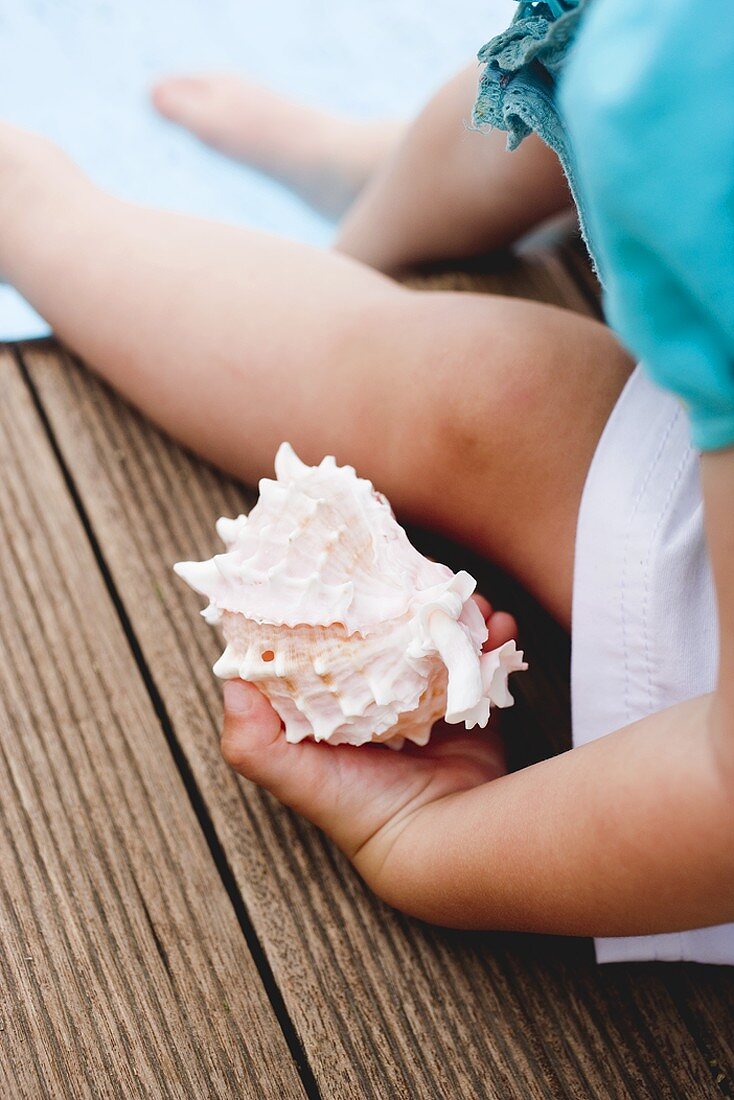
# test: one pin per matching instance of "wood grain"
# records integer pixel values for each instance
(123, 969)
(383, 1006)
(549, 266)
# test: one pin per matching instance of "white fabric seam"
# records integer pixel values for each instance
(656, 705)
(625, 558)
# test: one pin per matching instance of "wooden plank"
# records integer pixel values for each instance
(705, 997)
(384, 1006)
(558, 275)
(123, 969)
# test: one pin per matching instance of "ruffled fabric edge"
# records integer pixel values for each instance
(535, 45)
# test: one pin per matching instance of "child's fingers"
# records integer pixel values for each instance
(502, 628)
(483, 604)
(501, 625)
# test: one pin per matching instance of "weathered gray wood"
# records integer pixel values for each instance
(123, 970)
(383, 1006)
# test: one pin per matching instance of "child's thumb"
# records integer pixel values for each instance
(250, 732)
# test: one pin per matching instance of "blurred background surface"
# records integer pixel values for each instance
(80, 71)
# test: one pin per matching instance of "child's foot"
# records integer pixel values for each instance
(324, 158)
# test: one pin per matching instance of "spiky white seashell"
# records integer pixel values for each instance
(351, 633)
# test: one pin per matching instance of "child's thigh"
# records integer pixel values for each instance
(485, 413)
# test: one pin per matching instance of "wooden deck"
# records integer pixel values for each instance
(168, 930)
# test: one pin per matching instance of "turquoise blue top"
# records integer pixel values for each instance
(637, 97)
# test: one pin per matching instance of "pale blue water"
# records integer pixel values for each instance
(79, 70)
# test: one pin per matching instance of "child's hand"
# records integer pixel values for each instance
(361, 797)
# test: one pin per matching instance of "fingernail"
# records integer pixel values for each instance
(237, 697)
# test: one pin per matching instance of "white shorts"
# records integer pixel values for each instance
(645, 628)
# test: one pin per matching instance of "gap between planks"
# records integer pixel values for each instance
(135, 945)
(188, 779)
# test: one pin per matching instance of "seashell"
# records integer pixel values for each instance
(351, 633)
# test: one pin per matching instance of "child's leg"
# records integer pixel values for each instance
(476, 415)
(449, 192)
(326, 158)
(442, 192)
